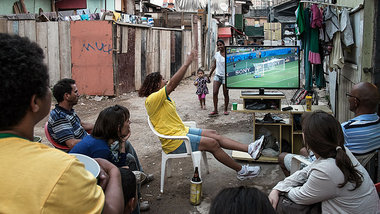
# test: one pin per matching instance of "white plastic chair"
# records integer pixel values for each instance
(296, 163)
(195, 156)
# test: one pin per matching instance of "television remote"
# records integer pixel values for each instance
(287, 108)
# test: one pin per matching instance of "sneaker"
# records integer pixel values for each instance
(254, 149)
(148, 178)
(247, 172)
(140, 176)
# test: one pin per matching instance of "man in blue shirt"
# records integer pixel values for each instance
(64, 125)
(362, 133)
(66, 128)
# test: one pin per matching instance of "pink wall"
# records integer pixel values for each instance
(91, 57)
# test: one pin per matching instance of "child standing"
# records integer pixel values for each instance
(202, 90)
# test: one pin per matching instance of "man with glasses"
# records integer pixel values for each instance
(362, 133)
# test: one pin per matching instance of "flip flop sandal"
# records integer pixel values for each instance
(226, 113)
(213, 113)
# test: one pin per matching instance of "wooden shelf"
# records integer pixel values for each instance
(285, 123)
(240, 108)
(280, 131)
(299, 109)
(261, 97)
(246, 157)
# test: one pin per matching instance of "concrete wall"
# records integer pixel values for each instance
(360, 56)
(100, 4)
(6, 6)
(350, 3)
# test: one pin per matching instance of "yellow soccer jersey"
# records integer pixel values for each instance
(163, 115)
(38, 179)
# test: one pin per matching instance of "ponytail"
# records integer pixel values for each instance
(344, 163)
(328, 142)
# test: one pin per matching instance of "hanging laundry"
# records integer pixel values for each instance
(346, 29)
(336, 56)
(306, 47)
(316, 17)
(300, 20)
(316, 23)
(331, 22)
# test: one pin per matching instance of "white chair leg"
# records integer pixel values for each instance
(163, 168)
(169, 168)
(204, 156)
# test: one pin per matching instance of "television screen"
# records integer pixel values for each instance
(268, 67)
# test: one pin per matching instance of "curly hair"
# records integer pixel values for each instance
(151, 84)
(22, 75)
(327, 141)
(62, 87)
(109, 123)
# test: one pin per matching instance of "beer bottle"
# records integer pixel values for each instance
(196, 188)
(196, 177)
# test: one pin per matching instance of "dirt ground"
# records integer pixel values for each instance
(175, 198)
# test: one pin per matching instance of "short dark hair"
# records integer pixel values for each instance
(241, 200)
(150, 85)
(324, 140)
(128, 182)
(22, 75)
(109, 122)
(62, 87)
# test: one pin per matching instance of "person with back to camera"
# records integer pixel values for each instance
(129, 185)
(164, 117)
(336, 179)
(36, 178)
(218, 65)
(361, 133)
(202, 90)
(112, 125)
(241, 200)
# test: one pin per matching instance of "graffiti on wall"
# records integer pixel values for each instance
(97, 46)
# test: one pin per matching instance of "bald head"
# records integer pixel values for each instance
(368, 95)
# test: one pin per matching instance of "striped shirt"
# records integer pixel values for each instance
(362, 133)
(64, 125)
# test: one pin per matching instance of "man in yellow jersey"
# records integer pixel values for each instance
(34, 177)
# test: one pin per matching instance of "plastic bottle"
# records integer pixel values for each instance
(196, 188)
(308, 103)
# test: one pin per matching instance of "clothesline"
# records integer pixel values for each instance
(325, 3)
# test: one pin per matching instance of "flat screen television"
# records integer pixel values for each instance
(262, 67)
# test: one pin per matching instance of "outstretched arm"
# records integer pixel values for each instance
(174, 81)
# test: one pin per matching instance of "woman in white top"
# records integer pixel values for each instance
(218, 64)
(336, 179)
